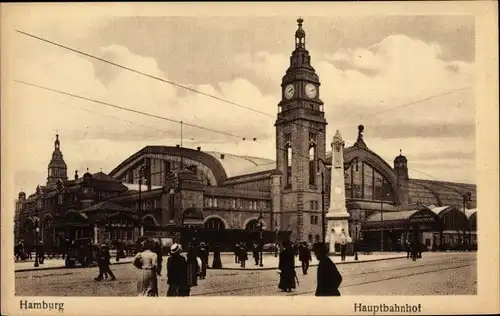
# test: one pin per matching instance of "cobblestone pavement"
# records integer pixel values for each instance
(434, 274)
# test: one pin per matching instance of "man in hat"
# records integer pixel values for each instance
(328, 278)
(177, 277)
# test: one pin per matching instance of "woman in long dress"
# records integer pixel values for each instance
(147, 262)
(287, 268)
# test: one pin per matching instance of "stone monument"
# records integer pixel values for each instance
(337, 216)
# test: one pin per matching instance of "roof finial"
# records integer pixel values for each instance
(400, 152)
(300, 35)
(87, 169)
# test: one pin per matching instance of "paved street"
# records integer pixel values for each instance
(435, 274)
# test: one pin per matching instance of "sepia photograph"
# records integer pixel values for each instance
(216, 154)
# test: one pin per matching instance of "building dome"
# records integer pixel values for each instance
(400, 158)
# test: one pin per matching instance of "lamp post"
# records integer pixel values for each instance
(356, 240)
(322, 172)
(261, 228)
(37, 230)
(276, 240)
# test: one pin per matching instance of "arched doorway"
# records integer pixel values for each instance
(149, 221)
(214, 223)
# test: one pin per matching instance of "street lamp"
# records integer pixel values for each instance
(260, 227)
(37, 230)
(276, 240)
(356, 240)
(322, 172)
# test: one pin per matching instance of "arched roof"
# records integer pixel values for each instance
(240, 165)
(441, 193)
(222, 165)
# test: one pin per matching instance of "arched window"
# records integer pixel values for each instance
(312, 164)
(252, 225)
(214, 223)
(289, 154)
(149, 222)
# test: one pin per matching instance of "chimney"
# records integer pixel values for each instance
(178, 146)
(221, 156)
(76, 174)
(198, 148)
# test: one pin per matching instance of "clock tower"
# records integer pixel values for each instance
(300, 142)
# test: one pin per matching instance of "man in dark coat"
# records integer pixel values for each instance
(328, 278)
(287, 267)
(103, 259)
(304, 257)
(177, 277)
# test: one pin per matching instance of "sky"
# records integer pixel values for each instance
(408, 79)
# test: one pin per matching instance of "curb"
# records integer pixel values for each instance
(311, 265)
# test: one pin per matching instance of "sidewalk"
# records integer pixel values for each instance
(270, 262)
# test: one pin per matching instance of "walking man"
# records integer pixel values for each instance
(304, 257)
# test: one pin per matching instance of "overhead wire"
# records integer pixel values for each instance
(203, 93)
(210, 95)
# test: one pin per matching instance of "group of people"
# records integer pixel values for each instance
(328, 276)
(413, 250)
(183, 272)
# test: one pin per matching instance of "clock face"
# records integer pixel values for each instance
(311, 90)
(289, 91)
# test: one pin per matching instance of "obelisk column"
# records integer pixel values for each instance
(337, 216)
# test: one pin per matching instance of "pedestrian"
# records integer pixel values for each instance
(243, 255)
(237, 253)
(255, 253)
(217, 262)
(329, 277)
(147, 262)
(177, 277)
(192, 266)
(40, 252)
(103, 261)
(286, 268)
(343, 245)
(408, 249)
(159, 254)
(414, 251)
(203, 253)
(304, 257)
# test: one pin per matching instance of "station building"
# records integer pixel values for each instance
(162, 187)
